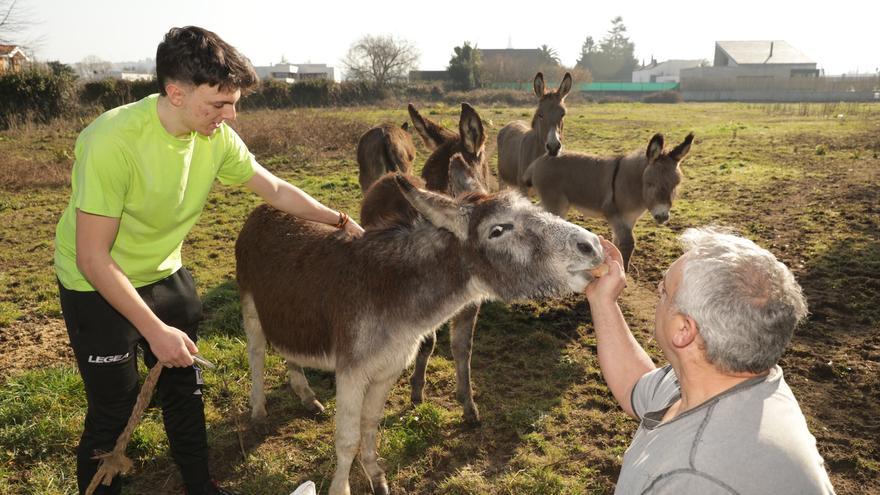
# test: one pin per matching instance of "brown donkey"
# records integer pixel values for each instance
(382, 149)
(520, 143)
(470, 141)
(361, 307)
(620, 188)
(469, 145)
(385, 205)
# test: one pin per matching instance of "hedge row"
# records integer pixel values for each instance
(41, 95)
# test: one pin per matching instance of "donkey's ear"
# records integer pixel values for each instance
(470, 127)
(539, 84)
(462, 178)
(564, 86)
(438, 209)
(679, 152)
(405, 126)
(655, 147)
(432, 134)
(421, 127)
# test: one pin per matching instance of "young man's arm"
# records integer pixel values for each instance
(94, 238)
(293, 200)
(621, 358)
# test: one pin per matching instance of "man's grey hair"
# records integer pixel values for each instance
(745, 302)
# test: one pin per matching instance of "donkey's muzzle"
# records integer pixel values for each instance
(553, 149)
(661, 218)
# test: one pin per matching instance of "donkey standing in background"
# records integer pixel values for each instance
(382, 149)
(469, 145)
(362, 306)
(385, 205)
(470, 141)
(620, 188)
(519, 143)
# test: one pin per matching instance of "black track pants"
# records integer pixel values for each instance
(105, 345)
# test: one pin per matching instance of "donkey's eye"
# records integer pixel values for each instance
(540, 115)
(500, 229)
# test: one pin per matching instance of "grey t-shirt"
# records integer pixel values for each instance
(751, 439)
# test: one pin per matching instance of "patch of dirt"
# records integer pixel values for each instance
(28, 344)
(825, 227)
(833, 362)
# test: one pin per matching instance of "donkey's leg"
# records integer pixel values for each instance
(301, 387)
(522, 165)
(417, 380)
(374, 405)
(256, 345)
(624, 240)
(350, 389)
(462, 328)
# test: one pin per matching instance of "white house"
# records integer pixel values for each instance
(315, 71)
(290, 73)
(668, 71)
(131, 75)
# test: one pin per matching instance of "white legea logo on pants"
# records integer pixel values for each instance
(108, 359)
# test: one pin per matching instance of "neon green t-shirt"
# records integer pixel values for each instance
(129, 167)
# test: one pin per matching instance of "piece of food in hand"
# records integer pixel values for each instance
(599, 271)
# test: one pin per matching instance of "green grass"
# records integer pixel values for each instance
(549, 423)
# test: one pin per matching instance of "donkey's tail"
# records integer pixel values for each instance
(392, 155)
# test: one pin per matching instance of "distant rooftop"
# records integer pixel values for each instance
(9, 50)
(671, 62)
(762, 52)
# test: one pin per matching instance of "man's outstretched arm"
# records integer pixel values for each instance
(622, 360)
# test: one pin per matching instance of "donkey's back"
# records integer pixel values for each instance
(282, 264)
(572, 179)
(382, 149)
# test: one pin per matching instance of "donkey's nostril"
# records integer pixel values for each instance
(585, 248)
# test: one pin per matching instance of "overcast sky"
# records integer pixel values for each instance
(840, 35)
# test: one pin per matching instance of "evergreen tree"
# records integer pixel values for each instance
(550, 55)
(613, 59)
(465, 67)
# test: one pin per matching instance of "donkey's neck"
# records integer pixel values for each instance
(540, 137)
(422, 273)
(628, 186)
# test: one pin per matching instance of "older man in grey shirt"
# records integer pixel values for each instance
(719, 419)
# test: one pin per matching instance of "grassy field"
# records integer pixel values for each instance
(801, 180)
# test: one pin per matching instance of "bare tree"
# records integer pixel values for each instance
(380, 59)
(93, 67)
(16, 20)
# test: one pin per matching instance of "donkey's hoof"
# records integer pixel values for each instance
(417, 397)
(380, 487)
(472, 415)
(315, 407)
(258, 414)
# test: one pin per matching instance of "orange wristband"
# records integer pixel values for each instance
(343, 219)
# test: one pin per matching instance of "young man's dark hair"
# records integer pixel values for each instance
(197, 56)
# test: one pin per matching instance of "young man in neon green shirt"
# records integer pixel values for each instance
(142, 175)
